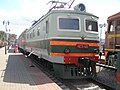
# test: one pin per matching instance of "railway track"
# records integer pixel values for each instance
(106, 76)
(81, 84)
(106, 66)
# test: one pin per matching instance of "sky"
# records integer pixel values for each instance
(22, 13)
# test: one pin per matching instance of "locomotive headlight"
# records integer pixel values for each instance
(67, 51)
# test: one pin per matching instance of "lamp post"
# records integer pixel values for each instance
(6, 23)
(101, 26)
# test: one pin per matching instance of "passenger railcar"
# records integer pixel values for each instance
(66, 38)
(112, 40)
(21, 41)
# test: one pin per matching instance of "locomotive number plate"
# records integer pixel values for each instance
(82, 46)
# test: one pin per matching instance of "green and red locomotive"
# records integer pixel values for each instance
(68, 39)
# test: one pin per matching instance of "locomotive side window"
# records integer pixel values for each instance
(34, 33)
(47, 26)
(27, 36)
(111, 26)
(30, 35)
(91, 25)
(38, 32)
(68, 24)
(118, 25)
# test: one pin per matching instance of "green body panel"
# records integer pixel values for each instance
(45, 44)
(76, 40)
(73, 49)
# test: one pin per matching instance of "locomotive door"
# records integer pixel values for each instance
(46, 34)
(110, 36)
(117, 34)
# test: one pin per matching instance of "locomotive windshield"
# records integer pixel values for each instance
(91, 26)
(68, 24)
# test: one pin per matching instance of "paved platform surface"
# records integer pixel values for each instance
(15, 74)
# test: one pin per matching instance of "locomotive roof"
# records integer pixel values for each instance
(72, 11)
(114, 16)
(62, 11)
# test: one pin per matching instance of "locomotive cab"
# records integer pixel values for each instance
(73, 23)
(112, 40)
(112, 34)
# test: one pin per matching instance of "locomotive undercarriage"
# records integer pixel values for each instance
(84, 69)
(70, 71)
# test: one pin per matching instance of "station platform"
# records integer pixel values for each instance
(15, 74)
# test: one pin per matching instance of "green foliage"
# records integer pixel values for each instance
(3, 36)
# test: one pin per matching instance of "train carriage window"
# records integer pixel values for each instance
(69, 23)
(47, 27)
(91, 25)
(38, 33)
(118, 25)
(27, 36)
(34, 33)
(30, 35)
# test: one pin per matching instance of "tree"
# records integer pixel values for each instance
(3, 36)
